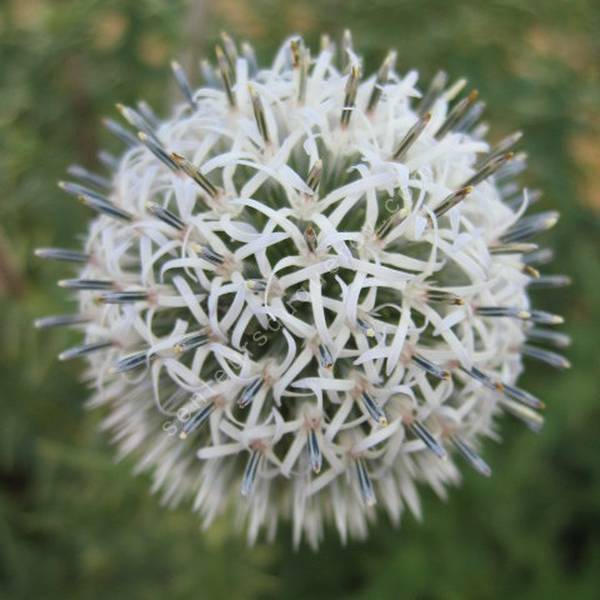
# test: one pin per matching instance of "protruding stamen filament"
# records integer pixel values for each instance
(365, 327)
(125, 297)
(62, 254)
(120, 132)
(470, 118)
(105, 208)
(166, 216)
(503, 146)
(208, 254)
(230, 49)
(146, 111)
(225, 71)
(310, 237)
(325, 358)
(313, 179)
(76, 189)
(508, 391)
(325, 43)
(314, 452)
(533, 196)
(249, 392)
(208, 74)
(532, 419)
(530, 226)
(108, 160)
(482, 378)
(488, 169)
(511, 169)
(158, 151)
(88, 177)
(430, 367)
(346, 48)
(455, 89)
(456, 114)
(412, 135)
(508, 142)
(452, 200)
(250, 56)
(191, 342)
(442, 297)
(86, 284)
(131, 362)
(259, 113)
(83, 350)
(373, 409)
(427, 438)
(550, 281)
(196, 421)
(522, 396)
(436, 87)
(471, 456)
(516, 248)
(256, 285)
(395, 219)
(541, 317)
(550, 358)
(381, 79)
(503, 311)
(559, 340)
(59, 320)
(364, 483)
(183, 83)
(250, 472)
(350, 97)
(303, 74)
(540, 257)
(137, 121)
(300, 63)
(189, 169)
(295, 50)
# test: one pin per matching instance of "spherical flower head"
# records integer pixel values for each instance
(307, 290)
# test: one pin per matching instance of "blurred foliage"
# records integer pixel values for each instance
(75, 525)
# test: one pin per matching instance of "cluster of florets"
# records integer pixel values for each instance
(307, 290)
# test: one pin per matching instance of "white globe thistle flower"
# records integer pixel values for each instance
(306, 292)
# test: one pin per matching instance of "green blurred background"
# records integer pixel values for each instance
(75, 525)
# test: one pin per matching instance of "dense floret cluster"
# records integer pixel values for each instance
(306, 291)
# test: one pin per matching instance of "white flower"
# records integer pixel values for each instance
(306, 291)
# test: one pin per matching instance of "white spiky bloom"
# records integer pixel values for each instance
(303, 294)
